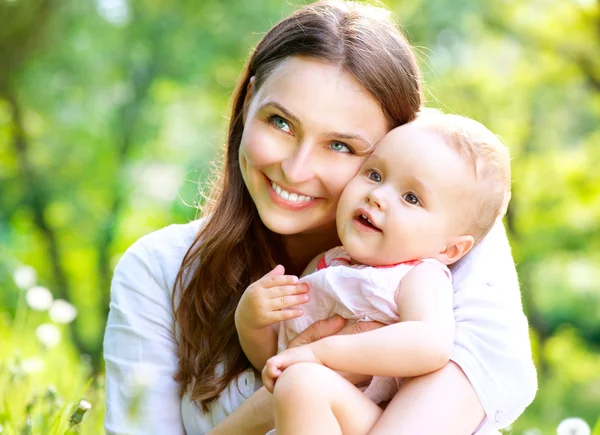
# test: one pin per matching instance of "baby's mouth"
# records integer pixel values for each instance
(365, 219)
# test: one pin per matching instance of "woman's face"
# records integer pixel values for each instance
(307, 130)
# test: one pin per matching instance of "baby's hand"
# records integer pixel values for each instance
(265, 302)
(278, 363)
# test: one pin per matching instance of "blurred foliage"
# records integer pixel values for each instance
(110, 112)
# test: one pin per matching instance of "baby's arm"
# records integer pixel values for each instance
(264, 303)
(419, 344)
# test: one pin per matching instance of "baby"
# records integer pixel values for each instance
(430, 191)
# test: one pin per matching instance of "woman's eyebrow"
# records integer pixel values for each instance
(282, 109)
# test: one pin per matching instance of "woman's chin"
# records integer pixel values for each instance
(287, 225)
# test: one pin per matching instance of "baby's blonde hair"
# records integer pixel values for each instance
(491, 164)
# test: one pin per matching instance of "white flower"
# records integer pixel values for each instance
(84, 405)
(32, 365)
(39, 298)
(48, 334)
(62, 312)
(25, 277)
(573, 426)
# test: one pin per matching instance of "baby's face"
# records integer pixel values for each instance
(406, 201)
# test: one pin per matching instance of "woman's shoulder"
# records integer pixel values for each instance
(492, 256)
(160, 253)
(175, 237)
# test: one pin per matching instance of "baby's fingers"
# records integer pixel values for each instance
(282, 302)
(287, 314)
(270, 374)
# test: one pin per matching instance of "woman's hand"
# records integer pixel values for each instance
(267, 300)
(333, 326)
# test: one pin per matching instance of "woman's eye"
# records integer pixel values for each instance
(340, 147)
(374, 176)
(281, 124)
(411, 198)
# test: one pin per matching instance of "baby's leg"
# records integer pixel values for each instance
(312, 399)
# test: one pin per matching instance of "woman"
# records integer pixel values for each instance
(321, 88)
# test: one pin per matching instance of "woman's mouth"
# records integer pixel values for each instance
(289, 200)
(294, 197)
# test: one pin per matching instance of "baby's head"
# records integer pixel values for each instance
(433, 188)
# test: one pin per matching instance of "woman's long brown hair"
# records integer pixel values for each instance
(233, 247)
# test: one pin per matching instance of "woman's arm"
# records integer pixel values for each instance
(140, 349)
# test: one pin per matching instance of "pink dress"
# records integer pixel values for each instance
(357, 293)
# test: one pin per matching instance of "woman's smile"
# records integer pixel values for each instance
(288, 198)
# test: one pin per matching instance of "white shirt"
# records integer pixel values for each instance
(140, 345)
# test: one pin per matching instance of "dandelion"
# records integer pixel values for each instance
(533, 431)
(62, 311)
(39, 298)
(83, 407)
(48, 335)
(24, 277)
(573, 426)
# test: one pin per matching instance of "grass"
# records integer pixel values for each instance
(45, 389)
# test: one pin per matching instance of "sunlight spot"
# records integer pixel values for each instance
(115, 12)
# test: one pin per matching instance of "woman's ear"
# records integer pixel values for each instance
(456, 249)
(248, 98)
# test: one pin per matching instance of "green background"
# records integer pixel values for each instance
(111, 111)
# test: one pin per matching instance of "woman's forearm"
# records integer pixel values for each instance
(253, 417)
(402, 349)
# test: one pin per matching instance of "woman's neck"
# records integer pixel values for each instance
(302, 248)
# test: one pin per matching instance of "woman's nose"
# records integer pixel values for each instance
(299, 166)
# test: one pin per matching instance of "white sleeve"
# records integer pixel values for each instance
(140, 350)
(492, 339)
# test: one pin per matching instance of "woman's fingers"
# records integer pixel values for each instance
(318, 330)
(358, 327)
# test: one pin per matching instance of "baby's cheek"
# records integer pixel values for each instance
(339, 176)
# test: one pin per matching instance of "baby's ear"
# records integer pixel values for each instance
(456, 249)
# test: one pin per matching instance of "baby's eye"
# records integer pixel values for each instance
(281, 124)
(340, 147)
(411, 198)
(374, 176)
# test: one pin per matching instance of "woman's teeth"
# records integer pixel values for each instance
(294, 197)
